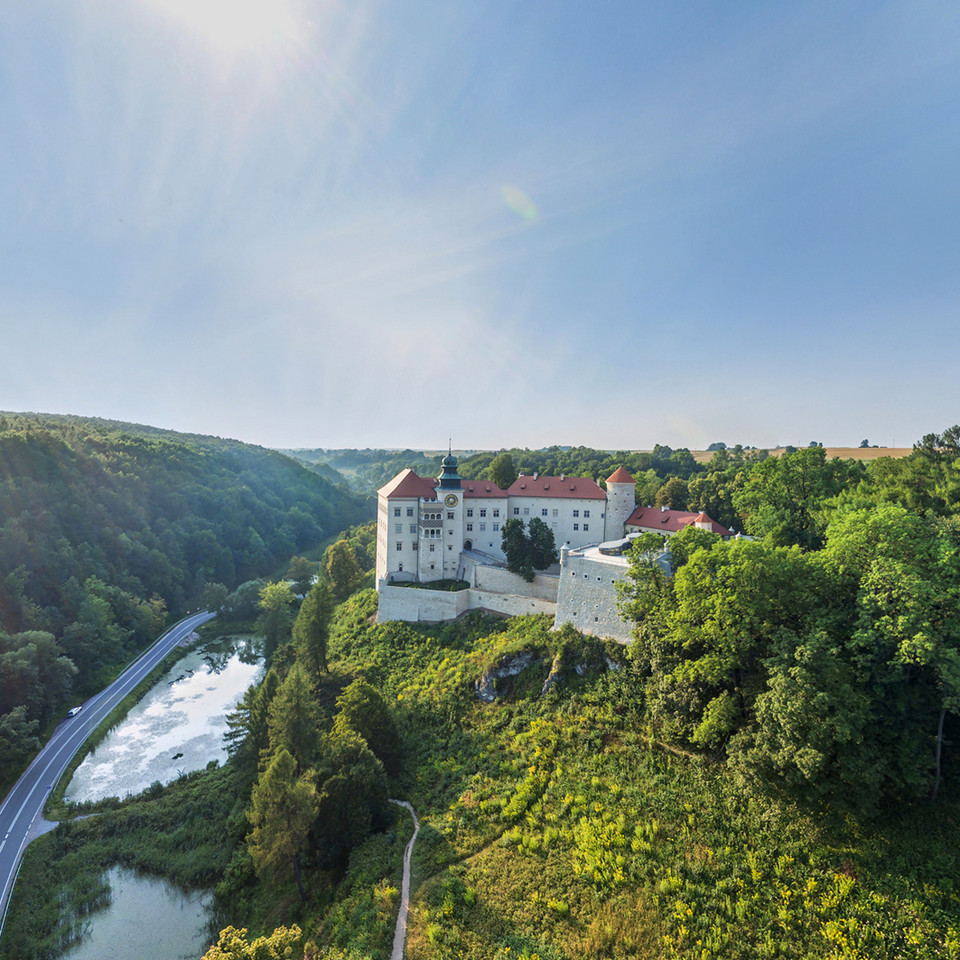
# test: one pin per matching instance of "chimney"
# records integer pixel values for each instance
(535, 474)
(561, 478)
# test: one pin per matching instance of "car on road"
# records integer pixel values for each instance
(74, 711)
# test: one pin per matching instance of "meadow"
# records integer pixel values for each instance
(555, 824)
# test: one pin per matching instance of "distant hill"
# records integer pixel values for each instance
(96, 510)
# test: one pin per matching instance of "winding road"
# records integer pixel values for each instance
(23, 804)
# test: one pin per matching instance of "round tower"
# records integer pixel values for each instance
(621, 502)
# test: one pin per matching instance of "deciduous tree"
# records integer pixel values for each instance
(275, 618)
(341, 570)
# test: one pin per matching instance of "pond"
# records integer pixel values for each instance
(148, 919)
(176, 728)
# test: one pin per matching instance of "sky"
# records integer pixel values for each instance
(501, 223)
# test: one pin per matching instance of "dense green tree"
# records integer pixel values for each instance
(214, 596)
(352, 791)
(34, 673)
(904, 571)
(341, 570)
(712, 493)
(283, 807)
(516, 547)
(248, 725)
(18, 738)
(783, 498)
(542, 546)
(244, 602)
(684, 544)
(502, 471)
(232, 944)
(673, 495)
(294, 719)
(526, 552)
(301, 573)
(311, 629)
(364, 711)
(275, 617)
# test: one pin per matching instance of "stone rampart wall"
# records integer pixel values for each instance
(402, 603)
(500, 580)
(587, 597)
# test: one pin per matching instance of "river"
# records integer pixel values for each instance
(177, 727)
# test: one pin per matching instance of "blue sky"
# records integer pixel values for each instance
(513, 223)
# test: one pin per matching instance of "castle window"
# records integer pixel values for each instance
(399, 546)
(496, 512)
(483, 526)
(400, 568)
(576, 513)
(433, 566)
(586, 527)
(496, 527)
(516, 511)
(409, 511)
(469, 528)
(586, 513)
(469, 511)
(398, 528)
(556, 512)
(396, 511)
(413, 546)
(576, 526)
(526, 511)
(413, 528)
(543, 512)
(433, 547)
(449, 514)
(483, 511)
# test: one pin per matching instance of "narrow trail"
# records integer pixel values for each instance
(400, 935)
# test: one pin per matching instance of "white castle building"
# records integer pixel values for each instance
(449, 528)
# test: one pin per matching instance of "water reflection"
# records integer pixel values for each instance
(148, 919)
(177, 727)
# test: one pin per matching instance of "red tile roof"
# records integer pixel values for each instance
(570, 488)
(670, 521)
(482, 488)
(620, 476)
(407, 485)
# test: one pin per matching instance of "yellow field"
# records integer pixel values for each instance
(844, 453)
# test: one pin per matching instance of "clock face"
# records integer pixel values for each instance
(450, 499)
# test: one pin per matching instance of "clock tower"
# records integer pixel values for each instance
(450, 494)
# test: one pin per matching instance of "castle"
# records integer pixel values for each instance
(449, 528)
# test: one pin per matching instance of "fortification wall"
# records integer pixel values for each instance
(587, 596)
(500, 580)
(404, 603)
(511, 604)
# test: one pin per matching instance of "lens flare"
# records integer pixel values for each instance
(519, 202)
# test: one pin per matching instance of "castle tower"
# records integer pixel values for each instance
(450, 495)
(621, 502)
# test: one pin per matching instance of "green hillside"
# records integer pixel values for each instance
(106, 529)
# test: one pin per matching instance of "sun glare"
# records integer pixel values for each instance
(233, 27)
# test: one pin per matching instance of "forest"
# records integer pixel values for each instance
(768, 770)
(108, 529)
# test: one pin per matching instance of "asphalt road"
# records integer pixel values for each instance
(23, 805)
